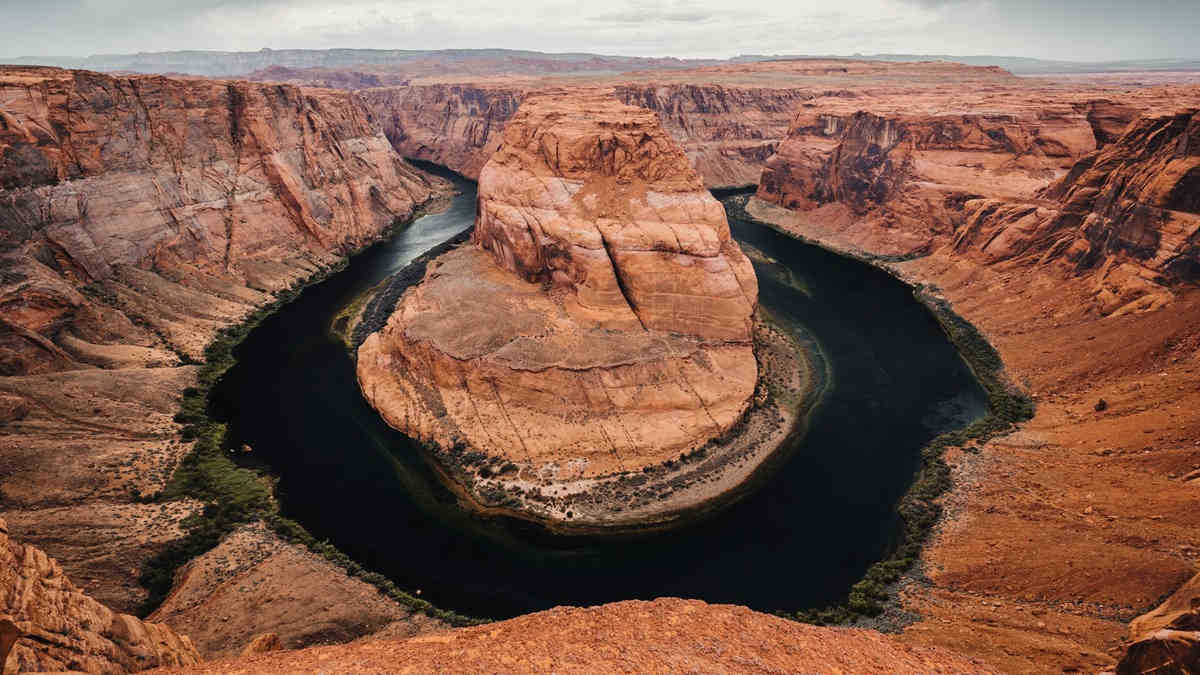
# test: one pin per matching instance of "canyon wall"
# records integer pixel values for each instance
(47, 624)
(124, 196)
(139, 216)
(1076, 263)
(728, 132)
(458, 126)
(1015, 189)
(600, 321)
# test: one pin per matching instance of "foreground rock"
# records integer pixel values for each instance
(47, 624)
(255, 592)
(1167, 640)
(664, 636)
(600, 323)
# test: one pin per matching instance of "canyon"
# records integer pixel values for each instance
(141, 214)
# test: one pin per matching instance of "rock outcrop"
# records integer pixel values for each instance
(1167, 640)
(599, 323)
(47, 624)
(664, 636)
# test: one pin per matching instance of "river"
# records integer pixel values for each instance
(799, 540)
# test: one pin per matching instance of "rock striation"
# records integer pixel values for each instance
(728, 132)
(47, 624)
(600, 321)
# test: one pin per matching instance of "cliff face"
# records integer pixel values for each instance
(1009, 189)
(138, 216)
(600, 322)
(57, 627)
(914, 172)
(456, 125)
(728, 132)
(221, 189)
(1127, 217)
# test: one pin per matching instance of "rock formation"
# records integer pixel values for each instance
(1167, 640)
(1124, 213)
(456, 125)
(601, 320)
(663, 636)
(55, 626)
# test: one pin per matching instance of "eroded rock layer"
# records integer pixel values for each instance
(57, 627)
(599, 322)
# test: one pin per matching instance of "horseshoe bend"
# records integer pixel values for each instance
(595, 341)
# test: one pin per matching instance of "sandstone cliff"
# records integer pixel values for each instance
(456, 125)
(663, 636)
(57, 627)
(138, 216)
(120, 194)
(1008, 188)
(601, 320)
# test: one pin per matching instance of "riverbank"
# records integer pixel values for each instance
(1054, 537)
(237, 496)
(877, 594)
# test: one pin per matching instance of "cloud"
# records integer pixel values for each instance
(653, 15)
(1077, 29)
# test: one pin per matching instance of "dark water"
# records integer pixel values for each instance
(800, 540)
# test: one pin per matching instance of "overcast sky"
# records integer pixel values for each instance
(1056, 29)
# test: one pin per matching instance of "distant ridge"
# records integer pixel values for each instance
(1018, 65)
(236, 64)
(233, 64)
